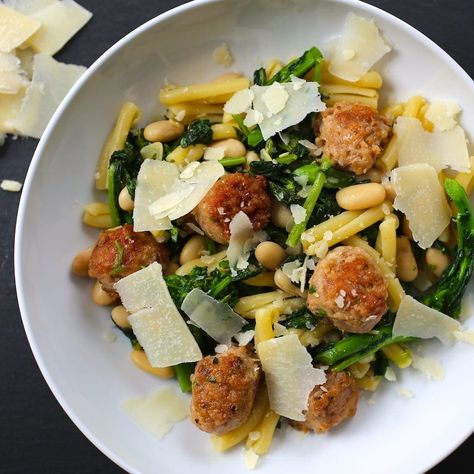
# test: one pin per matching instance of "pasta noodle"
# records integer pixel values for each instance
(248, 303)
(351, 98)
(202, 91)
(466, 180)
(260, 409)
(388, 241)
(272, 67)
(413, 106)
(361, 222)
(371, 79)
(389, 158)
(330, 89)
(210, 262)
(128, 115)
(264, 318)
(194, 109)
(97, 214)
(266, 429)
(180, 155)
(222, 131)
(262, 279)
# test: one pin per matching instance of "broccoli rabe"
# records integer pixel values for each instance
(198, 131)
(446, 294)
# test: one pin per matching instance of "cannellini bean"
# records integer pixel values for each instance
(232, 147)
(80, 263)
(270, 255)
(281, 214)
(100, 296)
(437, 261)
(120, 317)
(407, 268)
(163, 131)
(361, 196)
(284, 283)
(125, 201)
(192, 249)
(140, 359)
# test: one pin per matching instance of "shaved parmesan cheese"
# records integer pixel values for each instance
(60, 21)
(156, 322)
(51, 82)
(417, 320)
(430, 367)
(11, 185)
(253, 117)
(15, 28)
(359, 48)
(12, 78)
(275, 98)
(215, 318)
(214, 153)
(159, 411)
(240, 102)
(289, 374)
(442, 113)
(447, 149)
(243, 338)
(390, 374)
(421, 198)
(298, 212)
(241, 230)
(282, 106)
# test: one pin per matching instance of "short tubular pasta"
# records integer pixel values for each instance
(128, 115)
(330, 89)
(260, 409)
(266, 429)
(388, 241)
(208, 261)
(248, 303)
(264, 318)
(201, 91)
(389, 158)
(413, 106)
(371, 79)
(352, 98)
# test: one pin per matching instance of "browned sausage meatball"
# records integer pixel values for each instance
(122, 251)
(331, 403)
(352, 136)
(349, 287)
(224, 388)
(231, 194)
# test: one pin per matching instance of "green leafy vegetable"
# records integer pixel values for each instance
(183, 374)
(260, 77)
(301, 319)
(299, 66)
(446, 294)
(231, 162)
(198, 131)
(118, 267)
(336, 179)
(128, 332)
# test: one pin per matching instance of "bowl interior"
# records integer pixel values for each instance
(91, 377)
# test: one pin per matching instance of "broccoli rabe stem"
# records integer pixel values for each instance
(231, 162)
(336, 179)
(183, 374)
(113, 190)
(446, 294)
(309, 204)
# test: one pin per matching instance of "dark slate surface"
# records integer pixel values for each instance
(36, 436)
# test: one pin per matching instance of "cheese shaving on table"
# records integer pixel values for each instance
(289, 374)
(15, 28)
(417, 320)
(358, 49)
(11, 185)
(12, 78)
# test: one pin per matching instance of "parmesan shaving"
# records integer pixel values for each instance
(12, 78)
(289, 374)
(155, 320)
(241, 230)
(215, 318)
(11, 185)
(465, 336)
(158, 412)
(430, 367)
(243, 338)
(298, 212)
(440, 149)
(15, 28)
(240, 102)
(358, 49)
(421, 198)
(442, 114)
(417, 320)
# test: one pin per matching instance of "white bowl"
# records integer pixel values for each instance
(89, 376)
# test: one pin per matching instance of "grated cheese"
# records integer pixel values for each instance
(289, 374)
(358, 49)
(430, 367)
(440, 149)
(158, 412)
(155, 320)
(213, 317)
(421, 198)
(417, 320)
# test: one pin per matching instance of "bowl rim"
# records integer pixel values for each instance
(36, 160)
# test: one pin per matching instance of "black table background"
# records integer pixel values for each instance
(36, 436)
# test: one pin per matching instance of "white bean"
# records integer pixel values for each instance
(125, 201)
(120, 317)
(281, 214)
(270, 255)
(163, 131)
(232, 148)
(80, 263)
(192, 249)
(100, 296)
(284, 283)
(437, 261)
(360, 196)
(407, 268)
